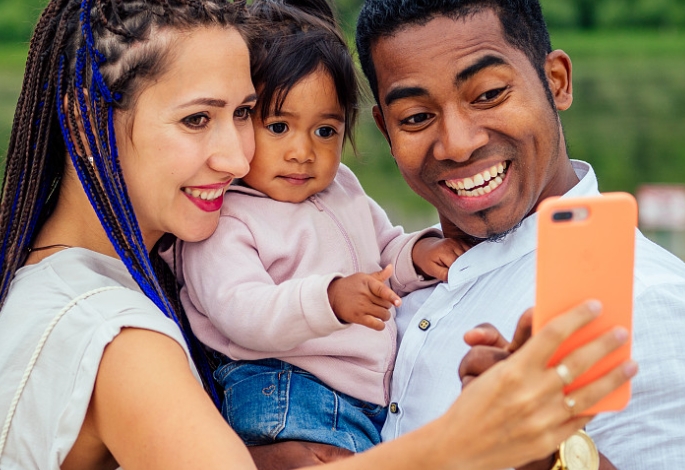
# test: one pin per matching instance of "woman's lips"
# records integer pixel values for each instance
(208, 198)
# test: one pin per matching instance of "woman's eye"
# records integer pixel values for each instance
(325, 132)
(490, 95)
(278, 127)
(416, 119)
(196, 121)
(243, 113)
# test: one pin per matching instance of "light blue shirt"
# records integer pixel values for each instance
(494, 282)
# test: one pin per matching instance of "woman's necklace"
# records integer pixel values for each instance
(48, 247)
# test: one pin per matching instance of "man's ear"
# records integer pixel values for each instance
(558, 70)
(380, 123)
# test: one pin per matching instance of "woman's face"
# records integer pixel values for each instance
(189, 135)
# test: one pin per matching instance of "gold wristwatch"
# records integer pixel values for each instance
(578, 452)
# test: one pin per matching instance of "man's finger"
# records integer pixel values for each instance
(485, 334)
(479, 359)
(524, 329)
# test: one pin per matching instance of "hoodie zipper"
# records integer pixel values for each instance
(350, 248)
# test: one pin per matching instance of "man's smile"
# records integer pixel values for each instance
(481, 183)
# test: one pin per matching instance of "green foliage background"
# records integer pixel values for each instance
(628, 116)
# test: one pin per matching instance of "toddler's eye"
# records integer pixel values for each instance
(278, 127)
(325, 132)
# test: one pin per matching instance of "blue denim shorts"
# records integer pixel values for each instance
(270, 400)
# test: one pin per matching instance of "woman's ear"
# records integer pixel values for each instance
(558, 69)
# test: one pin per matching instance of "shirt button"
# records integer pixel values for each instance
(424, 324)
(394, 408)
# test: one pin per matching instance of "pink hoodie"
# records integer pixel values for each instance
(257, 288)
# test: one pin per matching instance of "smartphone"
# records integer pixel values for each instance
(586, 251)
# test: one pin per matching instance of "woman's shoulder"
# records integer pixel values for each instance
(93, 287)
(57, 320)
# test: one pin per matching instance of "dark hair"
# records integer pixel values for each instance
(295, 38)
(522, 23)
(83, 50)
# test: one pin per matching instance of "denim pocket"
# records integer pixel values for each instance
(255, 400)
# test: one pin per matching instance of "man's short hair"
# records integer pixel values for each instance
(522, 23)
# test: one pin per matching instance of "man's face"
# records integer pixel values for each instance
(469, 122)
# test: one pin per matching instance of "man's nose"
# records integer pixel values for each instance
(460, 136)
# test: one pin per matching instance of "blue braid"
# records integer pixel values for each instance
(136, 258)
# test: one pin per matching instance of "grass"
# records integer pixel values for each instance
(627, 119)
(12, 60)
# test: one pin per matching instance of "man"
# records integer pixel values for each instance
(468, 94)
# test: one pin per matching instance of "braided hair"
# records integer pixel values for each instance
(81, 68)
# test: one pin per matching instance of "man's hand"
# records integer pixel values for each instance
(363, 298)
(433, 256)
(488, 347)
(295, 454)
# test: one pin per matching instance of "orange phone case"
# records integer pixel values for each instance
(585, 251)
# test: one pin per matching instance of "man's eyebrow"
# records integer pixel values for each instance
(404, 92)
(482, 63)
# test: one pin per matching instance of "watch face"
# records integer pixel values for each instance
(579, 453)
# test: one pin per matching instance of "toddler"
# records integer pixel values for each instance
(291, 289)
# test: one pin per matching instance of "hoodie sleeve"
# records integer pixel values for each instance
(394, 245)
(396, 248)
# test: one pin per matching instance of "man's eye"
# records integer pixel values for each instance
(196, 121)
(490, 95)
(416, 119)
(325, 132)
(278, 127)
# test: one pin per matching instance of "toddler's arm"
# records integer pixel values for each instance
(363, 298)
(433, 256)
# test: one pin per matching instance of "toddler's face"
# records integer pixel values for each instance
(298, 151)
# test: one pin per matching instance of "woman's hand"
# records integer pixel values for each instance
(516, 407)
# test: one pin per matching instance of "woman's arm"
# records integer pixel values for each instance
(511, 414)
(150, 412)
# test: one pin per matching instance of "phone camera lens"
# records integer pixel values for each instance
(562, 216)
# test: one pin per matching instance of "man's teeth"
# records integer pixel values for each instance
(204, 195)
(465, 187)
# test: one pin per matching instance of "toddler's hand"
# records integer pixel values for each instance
(433, 256)
(363, 298)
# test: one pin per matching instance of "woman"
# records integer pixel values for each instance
(134, 117)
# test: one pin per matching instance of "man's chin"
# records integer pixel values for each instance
(500, 236)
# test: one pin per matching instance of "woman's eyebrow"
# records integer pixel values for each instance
(213, 102)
